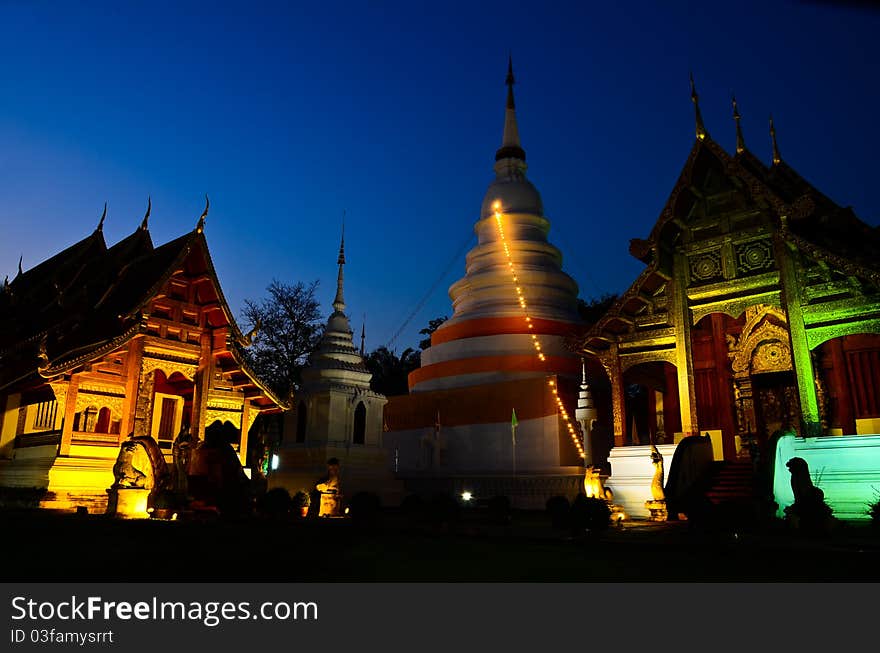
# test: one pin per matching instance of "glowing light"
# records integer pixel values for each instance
(276, 461)
(466, 496)
(496, 206)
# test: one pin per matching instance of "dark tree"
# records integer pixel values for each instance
(593, 310)
(289, 325)
(390, 371)
(433, 325)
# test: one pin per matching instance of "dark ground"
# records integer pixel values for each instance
(46, 546)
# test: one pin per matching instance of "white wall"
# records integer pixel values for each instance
(478, 447)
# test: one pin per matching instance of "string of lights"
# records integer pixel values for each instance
(569, 423)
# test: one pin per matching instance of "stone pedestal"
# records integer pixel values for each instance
(657, 509)
(631, 475)
(127, 502)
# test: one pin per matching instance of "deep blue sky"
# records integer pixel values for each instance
(286, 114)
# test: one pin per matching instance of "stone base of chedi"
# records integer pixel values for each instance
(469, 430)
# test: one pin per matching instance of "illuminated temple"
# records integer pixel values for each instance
(98, 342)
(757, 312)
(753, 331)
(503, 350)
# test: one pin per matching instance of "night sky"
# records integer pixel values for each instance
(288, 114)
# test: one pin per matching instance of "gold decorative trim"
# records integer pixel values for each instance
(169, 367)
(218, 415)
(628, 361)
(762, 345)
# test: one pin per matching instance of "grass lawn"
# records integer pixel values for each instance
(41, 545)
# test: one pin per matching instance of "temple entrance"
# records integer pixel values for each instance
(651, 403)
(764, 383)
(776, 403)
(172, 408)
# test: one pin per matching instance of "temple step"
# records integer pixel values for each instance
(732, 482)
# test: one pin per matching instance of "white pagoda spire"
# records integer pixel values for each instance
(339, 301)
(585, 414)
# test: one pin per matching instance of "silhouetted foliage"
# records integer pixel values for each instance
(275, 504)
(811, 514)
(874, 511)
(413, 507)
(589, 514)
(390, 371)
(300, 500)
(591, 311)
(21, 497)
(433, 325)
(443, 510)
(289, 326)
(499, 510)
(558, 508)
(366, 510)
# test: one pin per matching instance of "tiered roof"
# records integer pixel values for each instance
(89, 299)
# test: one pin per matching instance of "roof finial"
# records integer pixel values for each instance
(200, 227)
(510, 145)
(341, 259)
(740, 141)
(146, 219)
(339, 301)
(776, 157)
(510, 81)
(363, 334)
(701, 129)
(100, 226)
(20, 259)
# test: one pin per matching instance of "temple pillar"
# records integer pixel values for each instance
(800, 349)
(133, 361)
(611, 363)
(684, 360)
(143, 415)
(246, 422)
(69, 416)
(9, 424)
(201, 386)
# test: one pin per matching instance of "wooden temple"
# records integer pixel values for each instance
(758, 309)
(98, 343)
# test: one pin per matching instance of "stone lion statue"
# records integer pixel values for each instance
(801, 484)
(140, 464)
(126, 469)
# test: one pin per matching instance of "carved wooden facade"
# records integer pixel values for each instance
(752, 278)
(99, 343)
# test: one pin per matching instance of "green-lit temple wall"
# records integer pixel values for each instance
(846, 468)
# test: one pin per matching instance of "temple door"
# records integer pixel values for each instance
(776, 403)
